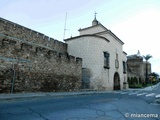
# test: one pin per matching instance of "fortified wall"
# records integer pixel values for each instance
(32, 62)
(135, 67)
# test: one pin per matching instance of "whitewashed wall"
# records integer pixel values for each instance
(91, 48)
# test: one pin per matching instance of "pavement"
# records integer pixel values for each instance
(57, 94)
(42, 94)
(150, 88)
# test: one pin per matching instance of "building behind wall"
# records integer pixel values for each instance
(104, 62)
(33, 62)
(136, 67)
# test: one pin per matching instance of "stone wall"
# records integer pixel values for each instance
(33, 62)
(137, 67)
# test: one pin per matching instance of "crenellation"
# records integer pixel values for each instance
(26, 34)
(37, 34)
(56, 45)
(40, 39)
(65, 46)
(39, 60)
(63, 56)
(71, 58)
(78, 60)
(51, 43)
(45, 41)
(33, 37)
(61, 45)
(14, 26)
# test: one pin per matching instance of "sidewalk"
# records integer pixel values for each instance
(42, 94)
(56, 94)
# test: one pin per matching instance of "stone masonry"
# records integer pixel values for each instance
(136, 67)
(33, 62)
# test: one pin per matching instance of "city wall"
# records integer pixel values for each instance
(33, 62)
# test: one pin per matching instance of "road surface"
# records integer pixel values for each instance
(115, 105)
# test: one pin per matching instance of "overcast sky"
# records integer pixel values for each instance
(135, 22)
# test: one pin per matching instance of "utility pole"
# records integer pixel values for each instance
(65, 26)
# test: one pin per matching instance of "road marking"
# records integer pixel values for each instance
(133, 93)
(141, 94)
(149, 95)
(157, 96)
(117, 92)
(124, 93)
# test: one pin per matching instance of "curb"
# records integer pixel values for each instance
(56, 94)
(53, 94)
(150, 88)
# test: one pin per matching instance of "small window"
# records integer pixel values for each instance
(124, 67)
(106, 60)
(116, 63)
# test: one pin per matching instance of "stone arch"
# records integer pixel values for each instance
(116, 82)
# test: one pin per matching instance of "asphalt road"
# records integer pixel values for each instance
(117, 105)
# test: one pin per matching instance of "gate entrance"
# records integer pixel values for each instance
(116, 82)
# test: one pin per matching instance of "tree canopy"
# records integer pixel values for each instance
(147, 57)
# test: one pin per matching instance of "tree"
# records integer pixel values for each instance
(155, 75)
(147, 57)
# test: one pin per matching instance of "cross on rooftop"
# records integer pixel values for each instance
(95, 15)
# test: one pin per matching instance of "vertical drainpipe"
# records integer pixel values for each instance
(14, 75)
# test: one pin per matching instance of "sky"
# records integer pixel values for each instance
(135, 22)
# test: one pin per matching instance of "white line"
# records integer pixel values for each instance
(141, 94)
(133, 93)
(152, 94)
(157, 96)
(124, 93)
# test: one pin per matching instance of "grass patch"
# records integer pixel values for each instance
(136, 86)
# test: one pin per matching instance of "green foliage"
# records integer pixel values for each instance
(147, 57)
(154, 75)
(136, 86)
(133, 83)
(135, 80)
(140, 80)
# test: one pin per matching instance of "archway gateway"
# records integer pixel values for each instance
(116, 85)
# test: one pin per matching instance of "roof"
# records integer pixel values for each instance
(99, 24)
(135, 56)
(105, 30)
(124, 52)
(87, 35)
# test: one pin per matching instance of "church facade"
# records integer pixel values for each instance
(104, 61)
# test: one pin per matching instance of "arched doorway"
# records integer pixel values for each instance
(116, 82)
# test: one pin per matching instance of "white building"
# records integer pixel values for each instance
(104, 62)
